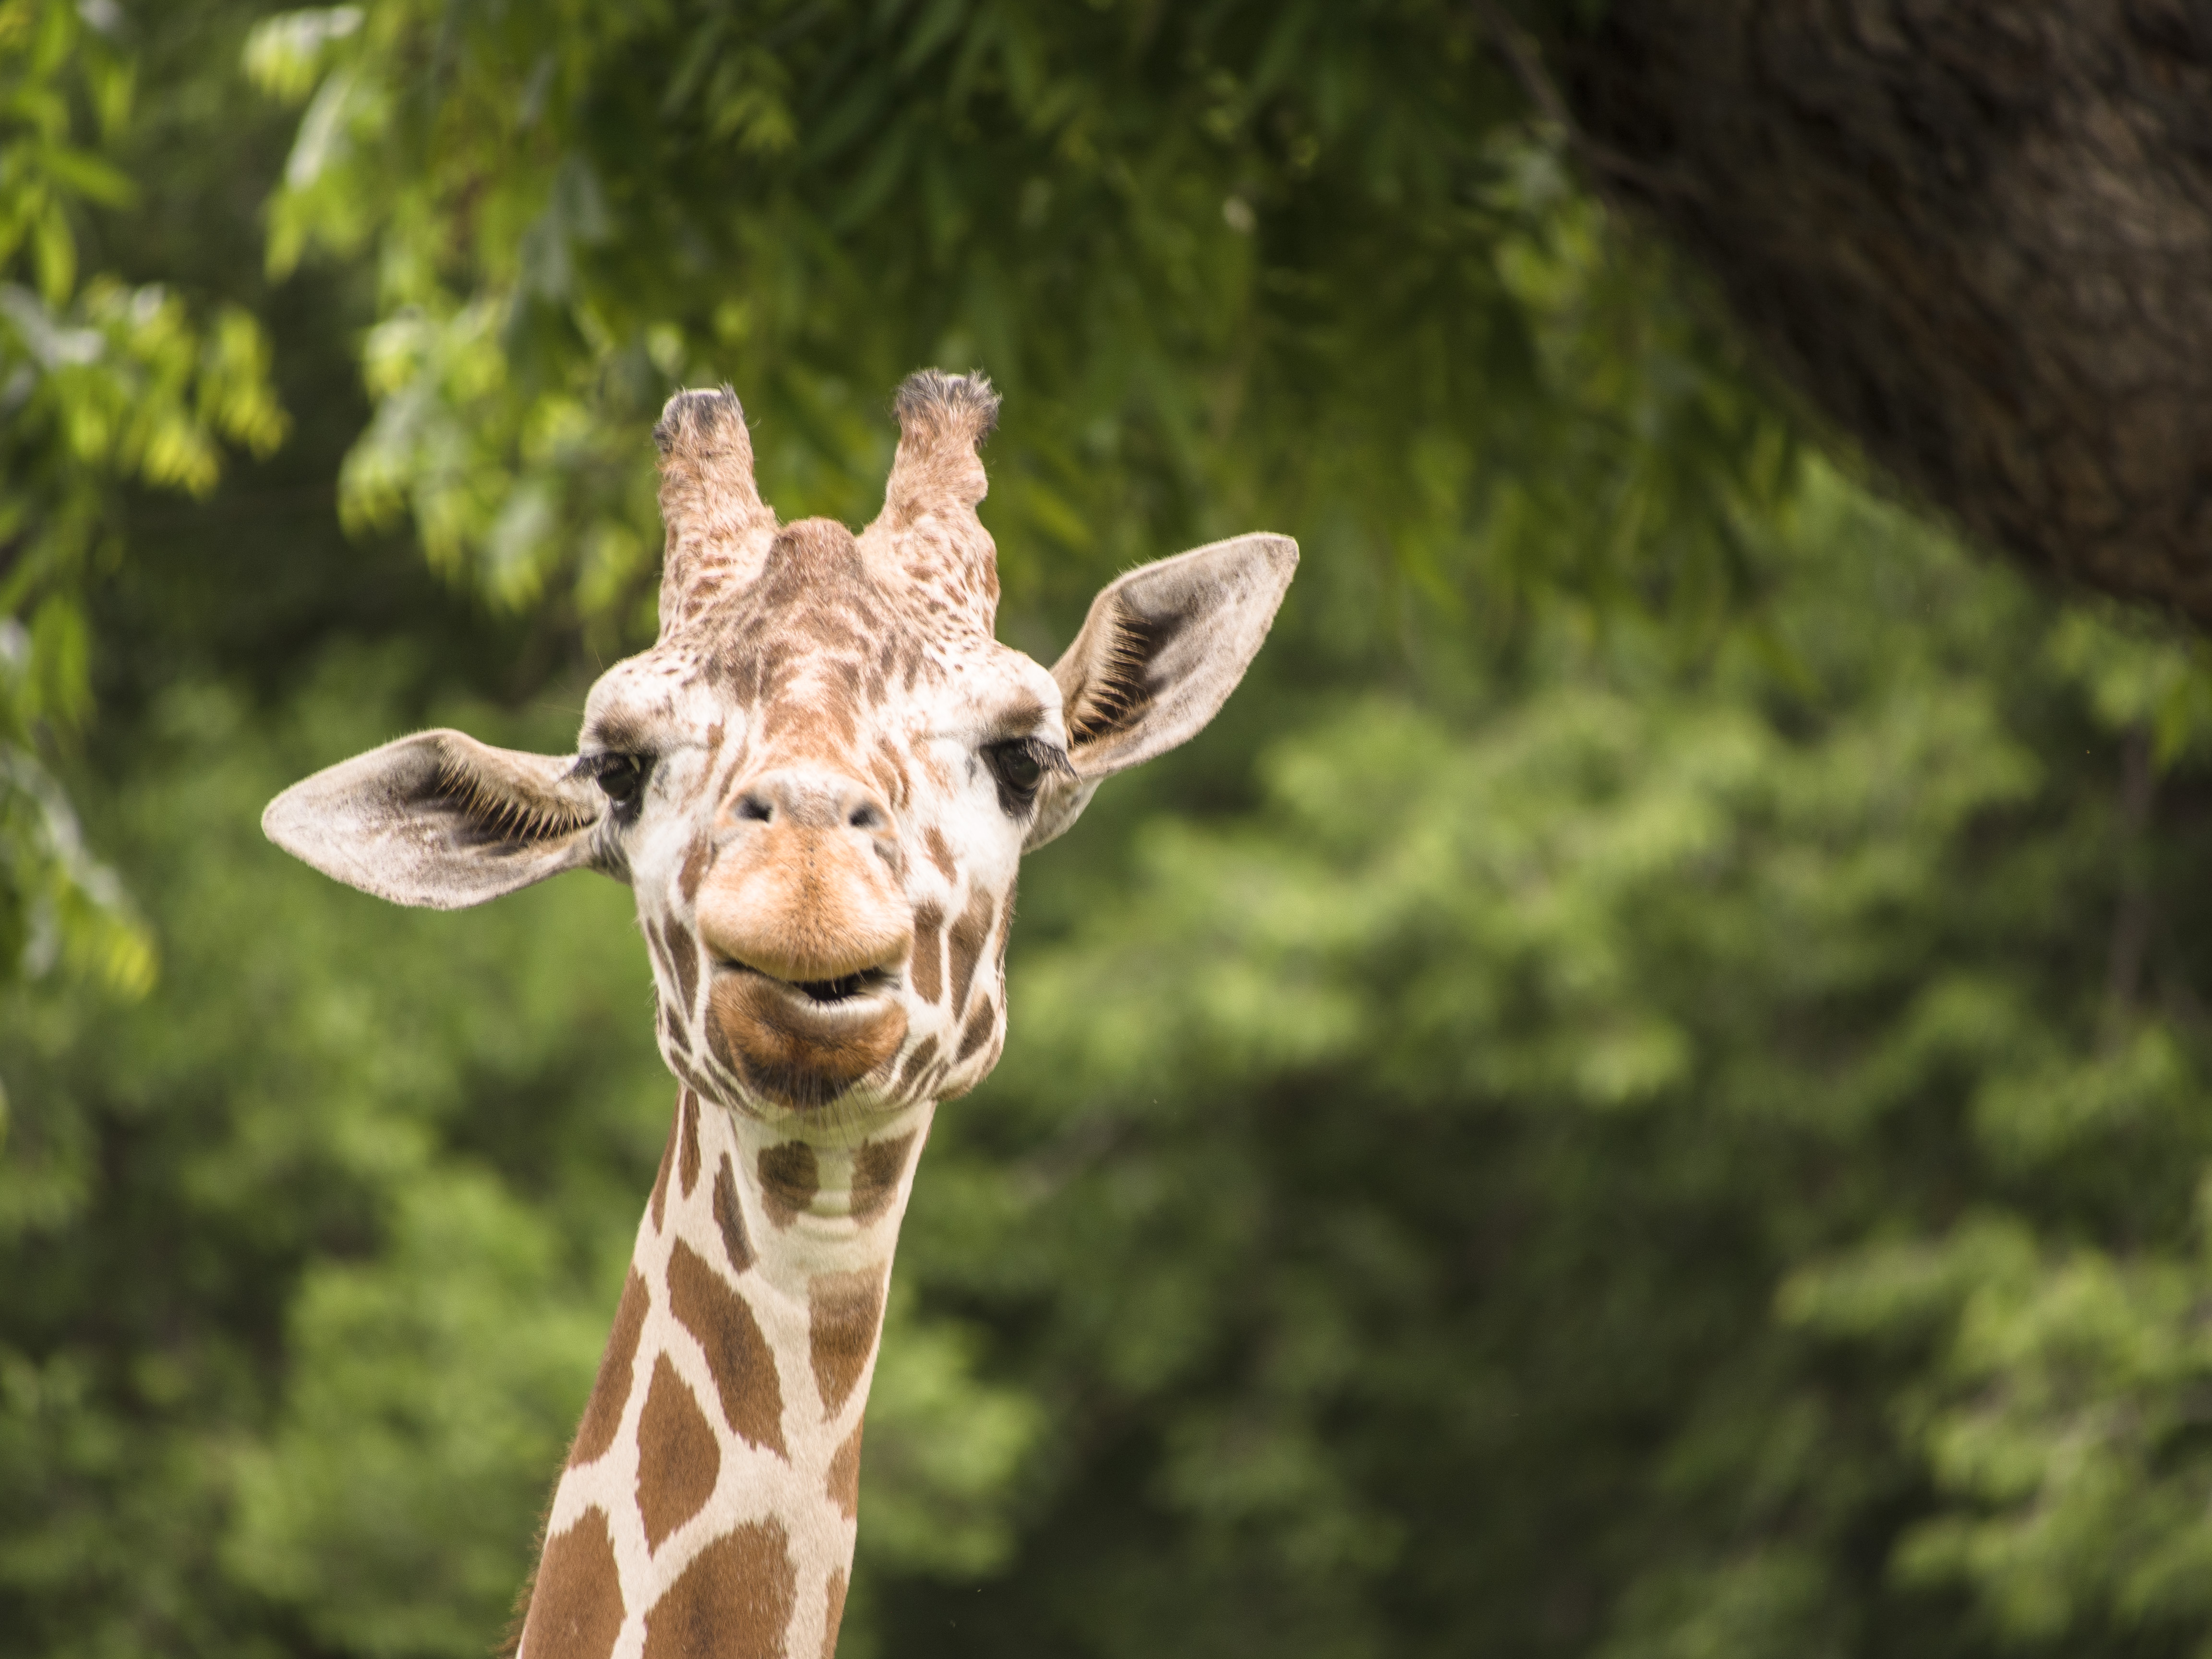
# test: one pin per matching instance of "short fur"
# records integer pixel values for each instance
(807, 784)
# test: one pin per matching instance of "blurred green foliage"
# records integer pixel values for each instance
(101, 381)
(1642, 1094)
(1298, 260)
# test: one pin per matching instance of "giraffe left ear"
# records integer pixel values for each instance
(439, 820)
(1160, 654)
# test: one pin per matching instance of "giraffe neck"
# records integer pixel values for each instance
(708, 1505)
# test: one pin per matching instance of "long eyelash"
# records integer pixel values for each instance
(1053, 758)
(1049, 756)
(591, 767)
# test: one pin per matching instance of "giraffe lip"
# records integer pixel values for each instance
(847, 990)
(789, 1046)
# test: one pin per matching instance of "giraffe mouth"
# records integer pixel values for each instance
(822, 993)
(803, 1043)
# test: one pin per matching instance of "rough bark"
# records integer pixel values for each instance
(1978, 236)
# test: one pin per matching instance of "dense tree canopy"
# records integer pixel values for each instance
(1642, 1093)
(101, 381)
(1292, 260)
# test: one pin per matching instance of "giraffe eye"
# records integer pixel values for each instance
(1019, 764)
(622, 779)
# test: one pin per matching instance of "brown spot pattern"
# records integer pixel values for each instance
(977, 1031)
(695, 867)
(790, 1176)
(677, 1459)
(834, 1615)
(1006, 931)
(968, 936)
(927, 972)
(687, 1077)
(718, 1040)
(667, 1162)
(688, 1170)
(734, 1600)
(844, 1484)
(610, 1393)
(877, 1167)
(576, 1611)
(845, 1311)
(683, 956)
(671, 1023)
(882, 769)
(940, 855)
(731, 1217)
(738, 1355)
(923, 1054)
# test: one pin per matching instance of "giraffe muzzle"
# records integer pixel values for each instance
(808, 932)
(803, 1044)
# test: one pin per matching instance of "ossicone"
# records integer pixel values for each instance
(719, 528)
(934, 407)
(928, 529)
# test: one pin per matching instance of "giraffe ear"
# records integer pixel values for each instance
(441, 820)
(1160, 654)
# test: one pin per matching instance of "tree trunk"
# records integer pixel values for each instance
(1978, 236)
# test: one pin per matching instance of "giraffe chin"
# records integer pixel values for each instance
(796, 1051)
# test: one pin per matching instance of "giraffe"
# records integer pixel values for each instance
(818, 782)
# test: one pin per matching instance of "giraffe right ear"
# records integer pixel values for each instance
(1160, 654)
(439, 820)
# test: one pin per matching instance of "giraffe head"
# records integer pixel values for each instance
(820, 779)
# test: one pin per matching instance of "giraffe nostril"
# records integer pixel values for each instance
(866, 816)
(755, 807)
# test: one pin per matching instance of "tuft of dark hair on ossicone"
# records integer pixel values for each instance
(825, 886)
(695, 414)
(941, 404)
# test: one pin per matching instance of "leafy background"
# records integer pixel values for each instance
(1641, 1094)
